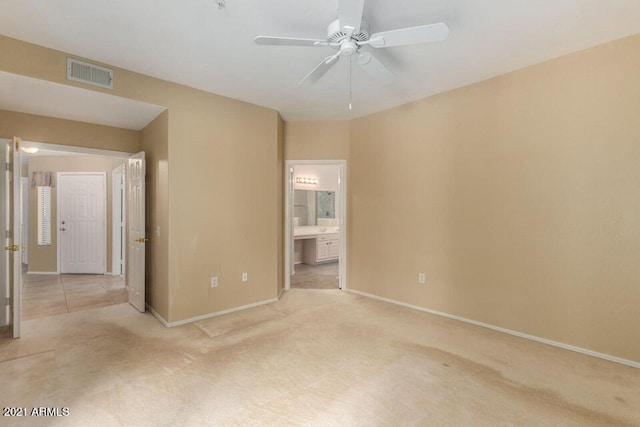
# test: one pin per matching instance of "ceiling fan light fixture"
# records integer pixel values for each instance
(364, 59)
(348, 48)
(349, 33)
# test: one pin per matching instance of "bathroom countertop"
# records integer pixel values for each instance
(313, 230)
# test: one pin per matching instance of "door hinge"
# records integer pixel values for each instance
(7, 300)
(7, 166)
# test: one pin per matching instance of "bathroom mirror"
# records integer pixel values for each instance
(326, 204)
(310, 206)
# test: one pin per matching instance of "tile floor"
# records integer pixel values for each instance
(47, 295)
(321, 276)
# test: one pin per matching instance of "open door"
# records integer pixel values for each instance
(11, 228)
(136, 239)
(291, 225)
(5, 257)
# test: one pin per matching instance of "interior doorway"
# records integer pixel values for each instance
(67, 211)
(315, 224)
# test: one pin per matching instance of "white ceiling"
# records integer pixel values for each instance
(194, 43)
(45, 98)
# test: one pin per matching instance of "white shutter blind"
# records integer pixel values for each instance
(44, 216)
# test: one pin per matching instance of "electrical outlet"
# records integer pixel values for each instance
(245, 277)
(214, 282)
(422, 279)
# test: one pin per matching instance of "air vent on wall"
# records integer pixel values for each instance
(80, 71)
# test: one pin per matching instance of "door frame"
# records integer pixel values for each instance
(288, 215)
(105, 213)
(73, 149)
(118, 204)
(57, 147)
(5, 292)
(24, 253)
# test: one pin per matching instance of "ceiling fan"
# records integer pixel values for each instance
(349, 33)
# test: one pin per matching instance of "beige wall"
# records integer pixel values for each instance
(316, 140)
(223, 162)
(515, 196)
(223, 194)
(67, 132)
(155, 144)
(518, 197)
(45, 258)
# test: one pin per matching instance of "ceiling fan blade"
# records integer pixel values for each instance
(320, 70)
(350, 15)
(375, 68)
(287, 41)
(412, 35)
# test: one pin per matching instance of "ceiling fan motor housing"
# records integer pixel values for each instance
(349, 32)
(336, 34)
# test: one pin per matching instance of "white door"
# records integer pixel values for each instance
(16, 194)
(82, 223)
(290, 215)
(25, 219)
(11, 219)
(118, 227)
(5, 291)
(136, 240)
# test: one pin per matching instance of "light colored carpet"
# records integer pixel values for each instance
(313, 358)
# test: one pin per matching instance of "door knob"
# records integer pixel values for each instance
(13, 248)
(142, 240)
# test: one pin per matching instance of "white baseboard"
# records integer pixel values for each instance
(280, 294)
(207, 316)
(55, 272)
(506, 331)
(157, 316)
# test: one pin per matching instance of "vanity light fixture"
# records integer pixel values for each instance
(30, 150)
(303, 180)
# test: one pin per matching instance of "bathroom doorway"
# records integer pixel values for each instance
(315, 221)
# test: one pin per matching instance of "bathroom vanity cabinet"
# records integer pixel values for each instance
(322, 248)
